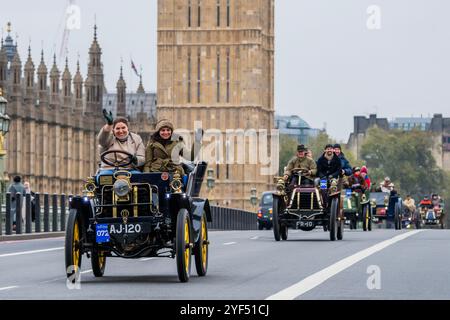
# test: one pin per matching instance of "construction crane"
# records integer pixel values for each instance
(72, 21)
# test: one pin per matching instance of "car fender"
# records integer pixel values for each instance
(199, 206)
(85, 209)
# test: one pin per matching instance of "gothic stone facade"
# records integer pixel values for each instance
(52, 139)
(216, 65)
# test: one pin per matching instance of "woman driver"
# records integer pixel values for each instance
(116, 136)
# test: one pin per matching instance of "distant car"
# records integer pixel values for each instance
(265, 211)
(387, 206)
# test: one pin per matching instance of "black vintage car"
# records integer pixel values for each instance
(306, 206)
(388, 207)
(134, 215)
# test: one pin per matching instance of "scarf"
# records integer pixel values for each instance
(124, 139)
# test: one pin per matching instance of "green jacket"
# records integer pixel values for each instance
(302, 163)
(159, 158)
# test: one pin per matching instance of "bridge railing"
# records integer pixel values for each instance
(51, 211)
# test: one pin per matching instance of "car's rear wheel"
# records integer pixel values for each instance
(275, 221)
(284, 232)
(201, 249)
(183, 245)
(73, 250)
(333, 219)
(366, 217)
(98, 262)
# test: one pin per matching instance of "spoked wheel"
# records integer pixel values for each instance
(183, 245)
(201, 249)
(396, 218)
(73, 252)
(333, 219)
(275, 221)
(284, 232)
(98, 262)
(340, 229)
(367, 223)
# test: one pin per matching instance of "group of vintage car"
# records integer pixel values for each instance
(330, 204)
(136, 215)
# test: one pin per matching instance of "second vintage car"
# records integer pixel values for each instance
(306, 207)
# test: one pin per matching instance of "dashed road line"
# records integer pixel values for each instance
(254, 238)
(229, 243)
(8, 288)
(29, 252)
(146, 259)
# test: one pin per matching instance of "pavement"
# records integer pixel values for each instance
(250, 265)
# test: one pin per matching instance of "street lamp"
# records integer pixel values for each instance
(253, 197)
(4, 129)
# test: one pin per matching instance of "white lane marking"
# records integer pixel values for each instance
(29, 252)
(8, 288)
(30, 240)
(146, 259)
(229, 243)
(254, 238)
(87, 271)
(318, 278)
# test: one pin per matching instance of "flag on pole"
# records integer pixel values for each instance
(134, 68)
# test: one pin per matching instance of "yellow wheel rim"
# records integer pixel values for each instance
(101, 259)
(76, 245)
(187, 250)
(204, 243)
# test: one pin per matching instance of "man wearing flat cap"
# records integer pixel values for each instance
(301, 161)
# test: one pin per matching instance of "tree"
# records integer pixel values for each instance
(288, 149)
(406, 157)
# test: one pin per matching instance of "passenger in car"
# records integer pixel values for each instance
(115, 135)
(164, 150)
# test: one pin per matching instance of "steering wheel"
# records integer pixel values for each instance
(299, 170)
(117, 163)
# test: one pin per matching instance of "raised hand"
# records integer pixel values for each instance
(108, 117)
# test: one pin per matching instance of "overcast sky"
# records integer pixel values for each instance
(329, 64)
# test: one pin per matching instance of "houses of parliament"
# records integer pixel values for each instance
(215, 65)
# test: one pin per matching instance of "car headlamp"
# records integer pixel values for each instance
(121, 187)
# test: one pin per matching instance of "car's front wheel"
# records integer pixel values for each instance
(183, 245)
(333, 219)
(275, 221)
(73, 250)
(201, 249)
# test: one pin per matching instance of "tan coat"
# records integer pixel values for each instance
(302, 163)
(134, 145)
(161, 158)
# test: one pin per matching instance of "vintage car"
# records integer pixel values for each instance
(305, 207)
(134, 215)
(387, 207)
(357, 207)
(432, 216)
(265, 211)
